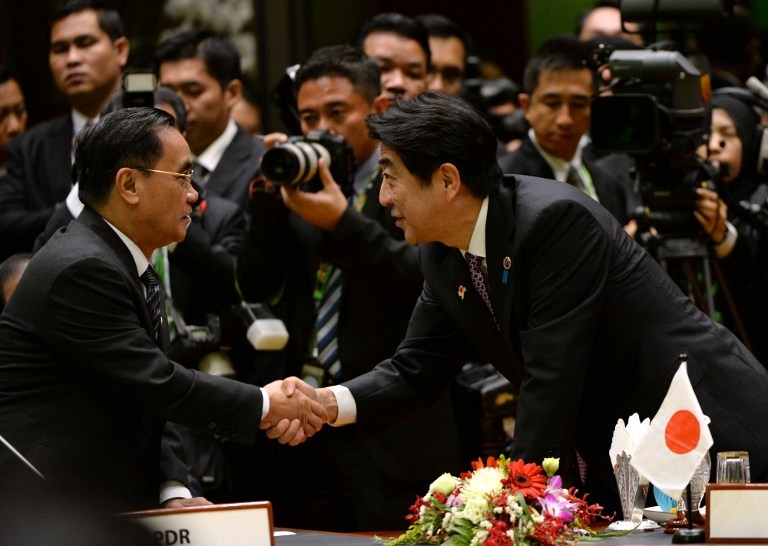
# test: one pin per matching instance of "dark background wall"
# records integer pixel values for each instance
(286, 31)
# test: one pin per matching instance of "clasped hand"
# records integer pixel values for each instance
(295, 413)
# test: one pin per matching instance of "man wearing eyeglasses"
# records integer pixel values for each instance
(449, 47)
(87, 386)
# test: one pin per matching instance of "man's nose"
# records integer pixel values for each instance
(385, 195)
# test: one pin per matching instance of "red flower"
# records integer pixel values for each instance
(491, 462)
(526, 478)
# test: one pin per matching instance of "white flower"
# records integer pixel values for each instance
(445, 484)
(484, 481)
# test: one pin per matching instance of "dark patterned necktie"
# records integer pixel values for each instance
(574, 178)
(154, 299)
(478, 279)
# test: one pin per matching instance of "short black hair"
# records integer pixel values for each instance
(434, 128)
(6, 74)
(440, 26)
(344, 61)
(398, 24)
(218, 52)
(109, 18)
(126, 137)
(564, 52)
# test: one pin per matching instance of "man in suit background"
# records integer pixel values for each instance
(204, 69)
(575, 312)
(292, 250)
(88, 50)
(558, 86)
(85, 380)
(400, 46)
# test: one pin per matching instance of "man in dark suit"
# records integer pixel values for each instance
(204, 69)
(578, 315)
(289, 249)
(558, 86)
(86, 385)
(88, 50)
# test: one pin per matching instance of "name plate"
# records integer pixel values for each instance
(736, 512)
(246, 524)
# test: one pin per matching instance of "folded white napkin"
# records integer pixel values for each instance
(627, 438)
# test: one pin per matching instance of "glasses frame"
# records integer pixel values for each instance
(184, 178)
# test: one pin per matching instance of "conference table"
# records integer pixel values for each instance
(317, 538)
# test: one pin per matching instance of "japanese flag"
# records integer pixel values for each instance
(677, 439)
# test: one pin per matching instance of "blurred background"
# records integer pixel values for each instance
(274, 34)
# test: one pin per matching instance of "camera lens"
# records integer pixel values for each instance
(293, 162)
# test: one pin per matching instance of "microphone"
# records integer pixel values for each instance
(20, 456)
(757, 87)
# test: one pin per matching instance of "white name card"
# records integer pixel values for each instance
(246, 524)
(736, 512)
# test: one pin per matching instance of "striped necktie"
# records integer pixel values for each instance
(327, 343)
(154, 299)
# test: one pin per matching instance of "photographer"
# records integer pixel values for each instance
(298, 244)
(734, 147)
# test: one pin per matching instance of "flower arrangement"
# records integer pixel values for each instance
(500, 503)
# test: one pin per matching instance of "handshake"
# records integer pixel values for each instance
(297, 410)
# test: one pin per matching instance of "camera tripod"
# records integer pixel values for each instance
(689, 262)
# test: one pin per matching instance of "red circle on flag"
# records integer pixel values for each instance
(682, 432)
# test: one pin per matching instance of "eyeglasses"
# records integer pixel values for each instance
(184, 178)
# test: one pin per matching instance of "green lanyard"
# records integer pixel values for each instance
(325, 269)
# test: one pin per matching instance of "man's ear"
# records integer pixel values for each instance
(123, 47)
(127, 186)
(233, 92)
(449, 179)
(380, 104)
(524, 100)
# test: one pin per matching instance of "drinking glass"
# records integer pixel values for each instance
(733, 467)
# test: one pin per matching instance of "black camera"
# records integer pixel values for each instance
(296, 161)
(658, 115)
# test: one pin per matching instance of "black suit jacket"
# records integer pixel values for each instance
(591, 329)
(613, 188)
(380, 289)
(239, 165)
(38, 177)
(85, 388)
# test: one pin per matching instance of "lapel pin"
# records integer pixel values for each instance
(507, 263)
(462, 291)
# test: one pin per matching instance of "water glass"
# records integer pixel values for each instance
(733, 467)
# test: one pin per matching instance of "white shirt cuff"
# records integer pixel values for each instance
(264, 403)
(346, 404)
(726, 246)
(173, 490)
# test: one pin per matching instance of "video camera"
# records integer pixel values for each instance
(658, 114)
(296, 161)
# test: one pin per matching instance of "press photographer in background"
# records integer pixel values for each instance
(308, 246)
(735, 147)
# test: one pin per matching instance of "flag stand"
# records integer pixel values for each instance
(690, 535)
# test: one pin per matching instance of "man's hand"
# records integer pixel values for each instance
(294, 412)
(323, 208)
(328, 400)
(712, 214)
(186, 503)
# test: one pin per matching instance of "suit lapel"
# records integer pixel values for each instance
(499, 236)
(97, 224)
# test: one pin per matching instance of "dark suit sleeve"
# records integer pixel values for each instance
(363, 247)
(93, 320)
(422, 368)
